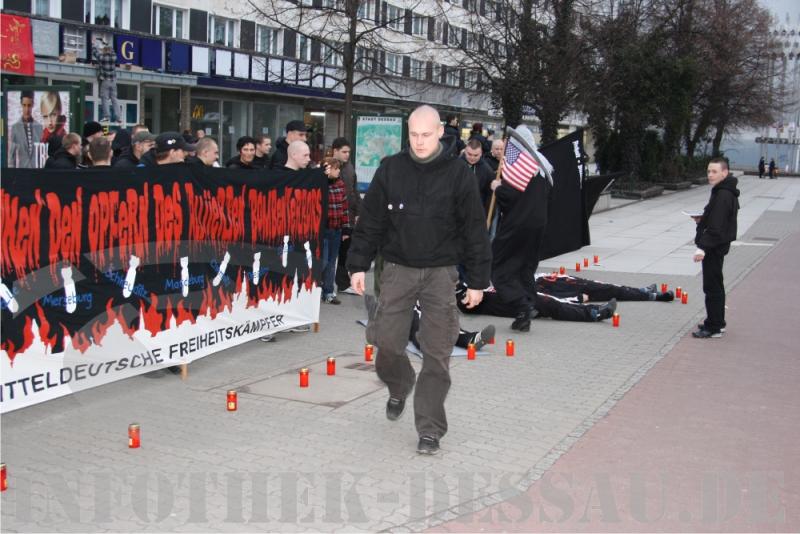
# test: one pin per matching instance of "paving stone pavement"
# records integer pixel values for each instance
(279, 464)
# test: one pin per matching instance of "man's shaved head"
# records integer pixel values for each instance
(298, 155)
(424, 130)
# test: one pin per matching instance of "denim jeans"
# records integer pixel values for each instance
(330, 254)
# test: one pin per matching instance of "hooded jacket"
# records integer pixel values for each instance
(717, 226)
(423, 215)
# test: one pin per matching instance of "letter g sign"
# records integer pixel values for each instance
(127, 50)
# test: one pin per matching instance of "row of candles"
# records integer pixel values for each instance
(232, 400)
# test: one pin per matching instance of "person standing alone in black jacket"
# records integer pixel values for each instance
(716, 228)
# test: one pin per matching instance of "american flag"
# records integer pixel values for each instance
(519, 167)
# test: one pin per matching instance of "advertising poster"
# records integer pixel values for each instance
(376, 138)
(35, 119)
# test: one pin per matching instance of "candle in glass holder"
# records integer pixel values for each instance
(510, 347)
(367, 353)
(684, 298)
(615, 320)
(304, 377)
(331, 366)
(664, 288)
(471, 351)
(134, 436)
(678, 292)
(578, 267)
(596, 259)
(3, 479)
(586, 262)
(233, 401)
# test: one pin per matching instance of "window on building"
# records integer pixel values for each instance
(471, 80)
(330, 56)
(438, 31)
(269, 40)
(394, 64)
(395, 17)
(452, 77)
(105, 12)
(74, 40)
(453, 35)
(221, 31)
(170, 22)
(366, 10)
(419, 25)
(303, 48)
(363, 59)
(437, 73)
(41, 7)
(418, 69)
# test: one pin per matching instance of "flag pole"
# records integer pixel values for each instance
(497, 176)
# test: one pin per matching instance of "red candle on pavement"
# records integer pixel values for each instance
(510, 347)
(615, 320)
(562, 270)
(586, 262)
(134, 437)
(331, 366)
(664, 288)
(304, 377)
(471, 351)
(596, 259)
(684, 298)
(578, 267)
(678, 292)
(233, 401)
(367, 353)
(3, 479)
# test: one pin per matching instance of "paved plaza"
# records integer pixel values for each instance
(550, 439)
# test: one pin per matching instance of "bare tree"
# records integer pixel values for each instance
(351, 40)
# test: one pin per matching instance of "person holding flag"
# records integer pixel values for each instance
(522, 194)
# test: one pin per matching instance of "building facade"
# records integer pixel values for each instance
(204, 64)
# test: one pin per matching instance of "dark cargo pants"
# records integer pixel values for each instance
(401, 288)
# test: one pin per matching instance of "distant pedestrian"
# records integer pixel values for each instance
(772, 169)
(761, 167)
(716, 228)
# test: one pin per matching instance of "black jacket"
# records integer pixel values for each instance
(126, 160)
(148, 159)
(717, 226)
(491, 162)
(61, 159)
(453, 132)
(281, 154)
(261, 162)
(484, 177)
(423, 215)
(236, 163)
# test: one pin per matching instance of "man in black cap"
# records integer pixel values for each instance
(171, 147)
(295, 131)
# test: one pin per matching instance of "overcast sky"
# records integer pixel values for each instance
(781, 7)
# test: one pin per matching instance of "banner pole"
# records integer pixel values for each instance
(496, 177)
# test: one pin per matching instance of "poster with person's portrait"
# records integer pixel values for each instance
(37, 120)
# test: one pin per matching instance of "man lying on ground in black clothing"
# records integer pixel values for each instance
(582, 290)
(546, 306)
(465, 337)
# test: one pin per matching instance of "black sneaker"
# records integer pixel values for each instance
(706, 334)
(331, 299)
(702, 326)
(394, 408)
(606, 311)
(667, 296)
(480, 339)
(428, 445)
(522, 321)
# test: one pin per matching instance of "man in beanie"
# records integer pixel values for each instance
(295, 131)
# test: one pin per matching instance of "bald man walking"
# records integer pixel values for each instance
(423, 210)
